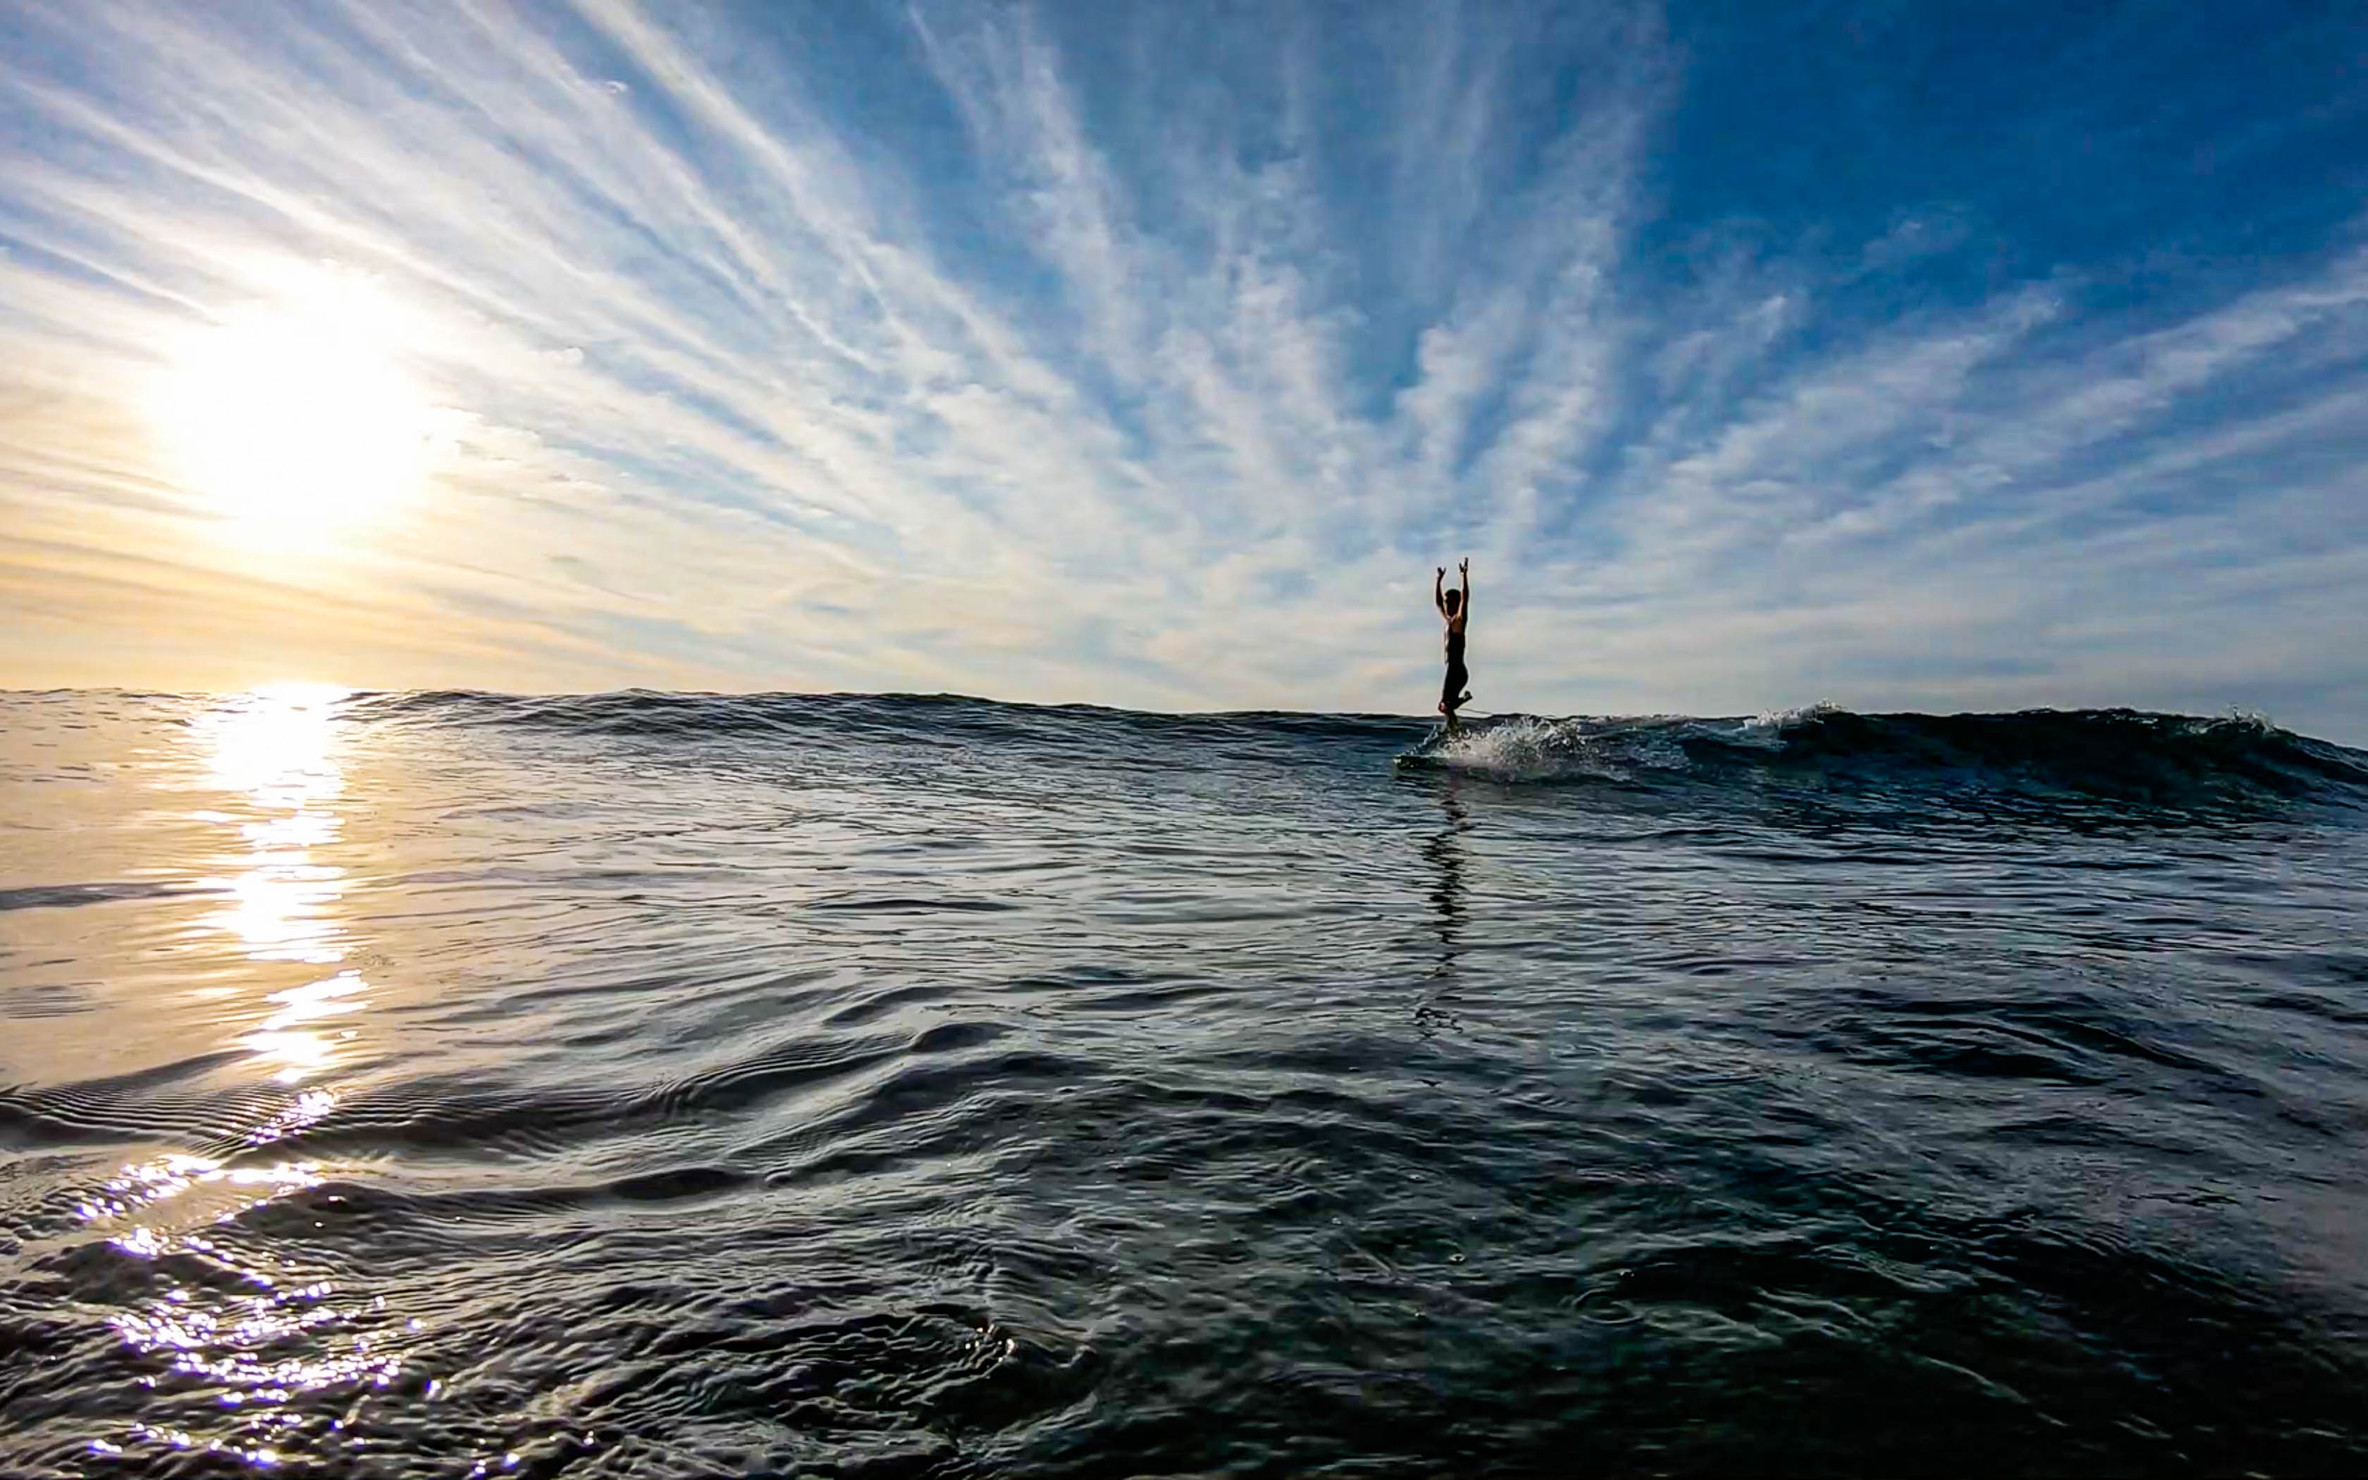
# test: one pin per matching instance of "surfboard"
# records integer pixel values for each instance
(1425, 754)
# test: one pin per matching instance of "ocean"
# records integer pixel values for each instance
(452, 1084)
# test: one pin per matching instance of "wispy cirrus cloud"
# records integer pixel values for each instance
(1152, 356)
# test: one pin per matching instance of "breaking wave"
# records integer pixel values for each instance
(2120, 756)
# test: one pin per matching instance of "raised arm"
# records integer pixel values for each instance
(1463, 569)
(1439, 590)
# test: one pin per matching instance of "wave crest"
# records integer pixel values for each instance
(2124, 756)
(2120, 755)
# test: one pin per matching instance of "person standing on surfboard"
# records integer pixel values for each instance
(1456, 607)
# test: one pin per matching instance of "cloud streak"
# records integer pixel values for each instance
(1060, 355)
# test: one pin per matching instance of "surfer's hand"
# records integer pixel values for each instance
(1442, 572)
(1463, 567)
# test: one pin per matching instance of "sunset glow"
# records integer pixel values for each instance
(1075, 352)
(295, 418)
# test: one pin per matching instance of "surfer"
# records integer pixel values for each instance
(1455, 606)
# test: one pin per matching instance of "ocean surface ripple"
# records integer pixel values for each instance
(646, 1084)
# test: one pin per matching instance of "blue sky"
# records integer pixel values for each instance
(1930, 357)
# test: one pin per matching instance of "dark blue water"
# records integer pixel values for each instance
(647, 1086)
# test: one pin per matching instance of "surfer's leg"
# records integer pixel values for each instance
(1452, 695)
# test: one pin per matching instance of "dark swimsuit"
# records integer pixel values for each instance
(1453, 693)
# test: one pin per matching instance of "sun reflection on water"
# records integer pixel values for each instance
(276, 749)
(259, 1326)
(259, 1329)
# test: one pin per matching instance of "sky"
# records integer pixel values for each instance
(1897, 356)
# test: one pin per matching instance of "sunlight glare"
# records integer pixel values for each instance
(296, 417)
(277, 749)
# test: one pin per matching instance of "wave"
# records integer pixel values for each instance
(2118, 755)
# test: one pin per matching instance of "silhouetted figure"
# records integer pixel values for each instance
(1456, 607)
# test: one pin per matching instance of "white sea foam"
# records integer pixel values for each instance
(1526, 748)
(1780, 719)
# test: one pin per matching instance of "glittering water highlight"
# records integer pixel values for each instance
(685, 1085)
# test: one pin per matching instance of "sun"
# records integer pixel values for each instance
(295, 416)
